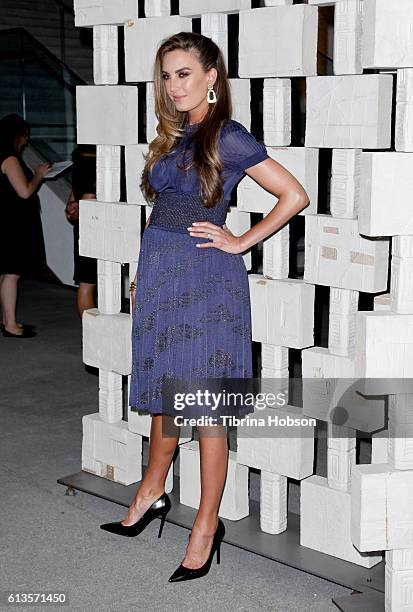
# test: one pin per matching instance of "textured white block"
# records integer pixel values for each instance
(241, 99)
(345, 183)
(398, 589)
(402, 246)
(401, 289)
(109, 287)
(384, 345)
(382, 507)
(234, 503)
(151, 120)
(282, 311)
(238, 223)
(322, 2)
(380, 446)
(135, 162)
(277, 2)
(110, 396)
(387, 35)
(342, 321)
(105, 55)
(341, 456)
(109, 231)
(195, 8)
(276, 254)
(302, 162)
(273, 503)
(278, 41)
(104, 12)
(288, 456)
(107, 341)
(351, 112)
(347, 37)
(325, 522)
(96, 104)
(400, 450)
(110, 450)
(215, 26)
(274, 361)
(277, 112)
(141, 42)
(157, 8)
(386, 177)
(108, 173)
(404, 110)
(334, 395)
(336, 255)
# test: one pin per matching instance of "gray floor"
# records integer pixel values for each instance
(52, 542)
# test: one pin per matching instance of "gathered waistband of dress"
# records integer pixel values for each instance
(176, 211)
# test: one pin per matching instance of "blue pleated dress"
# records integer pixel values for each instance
(192, 317)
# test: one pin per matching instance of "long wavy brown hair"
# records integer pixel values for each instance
(170, 127)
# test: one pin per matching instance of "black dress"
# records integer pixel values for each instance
(22, 248)
(83, 181)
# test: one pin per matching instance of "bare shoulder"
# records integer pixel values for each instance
(9, 163)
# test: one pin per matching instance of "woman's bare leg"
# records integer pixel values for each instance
(214, 464)
(8, 294)
(85, 297)
(161, 451)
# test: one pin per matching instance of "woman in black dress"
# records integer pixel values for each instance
(21, 237)
(83, 188)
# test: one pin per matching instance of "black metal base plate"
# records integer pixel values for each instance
(361, 602)
(246, 534)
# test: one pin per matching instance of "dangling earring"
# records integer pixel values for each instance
(210, 93)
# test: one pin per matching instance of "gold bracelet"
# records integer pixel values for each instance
(132, 287)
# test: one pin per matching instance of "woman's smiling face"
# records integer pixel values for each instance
(186, 82)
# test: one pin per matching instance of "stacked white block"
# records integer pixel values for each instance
(108, 173)
(238, 223)
(110, 450)
(105, 55)
(326, 522)
(196, 8)
(104, 12)
(302, 162)
(381, 507)
(109, 231)
(400, 448)
(342, 321)
(345, 183)
(135, 162)
(110, 396)
(384, 345)
(277, 112)
(107, 341)
(241, 99)
(234, 503)
(387, 41)
(278, 41)
(404, 110)
(399, 580)
(385, 177)
(215, 26)
(401, 290)
(274, 361)
(141, 40)
(157, 8)
(282, 311)
(347, 36)
(336, 255)
(331, 392)
(276, 254)
(352, 112)
(341, 456)
(95, 105)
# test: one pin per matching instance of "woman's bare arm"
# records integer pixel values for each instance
(292, 198)
(14, 172)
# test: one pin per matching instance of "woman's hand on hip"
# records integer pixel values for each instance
(220, 237)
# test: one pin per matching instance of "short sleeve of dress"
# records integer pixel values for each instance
(239, 149)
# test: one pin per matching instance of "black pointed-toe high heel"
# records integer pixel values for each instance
(159, 508)
(185, 573)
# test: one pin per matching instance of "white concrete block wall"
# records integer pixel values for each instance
(349, 113)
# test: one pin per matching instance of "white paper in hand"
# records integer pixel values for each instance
(57, 168)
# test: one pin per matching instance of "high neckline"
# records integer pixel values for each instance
(191, 126)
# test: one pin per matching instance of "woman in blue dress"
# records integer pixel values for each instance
(190, 297)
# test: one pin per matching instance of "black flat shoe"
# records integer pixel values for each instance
(185, 573)
(26, 333)
(24, 326)
(159, 508)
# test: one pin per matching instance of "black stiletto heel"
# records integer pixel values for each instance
(185, 573)
(159, 508)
